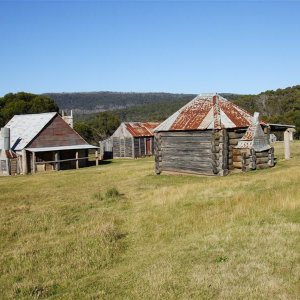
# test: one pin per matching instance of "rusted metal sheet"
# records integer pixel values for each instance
(138, 129)
(207, 111)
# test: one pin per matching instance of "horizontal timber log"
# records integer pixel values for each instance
(262, 166)
(186, 164)
(237, 158)
(236, 152)
(233, 141)
(237, 165)
(262, 160)
(186, 152)
(262, 154)
(235, 135)
(191, 171)
(185, 144)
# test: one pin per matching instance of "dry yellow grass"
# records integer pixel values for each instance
(63, 236)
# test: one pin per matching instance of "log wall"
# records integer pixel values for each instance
(233, 137)
(210, 152)
(248, 159)
(220, 152)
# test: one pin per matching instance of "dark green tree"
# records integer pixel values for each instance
(98, 127)
(85, 131)
(24, 103)
(104, 124)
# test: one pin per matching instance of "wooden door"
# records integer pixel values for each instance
(148, 146)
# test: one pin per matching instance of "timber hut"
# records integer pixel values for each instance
(46, 142)
(134, 139)
(201, 138)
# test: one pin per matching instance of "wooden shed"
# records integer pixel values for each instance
(46, 142)
(202, 137)
(134, 139)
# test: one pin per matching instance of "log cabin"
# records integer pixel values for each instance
(203, 138)
(133, 139)
(44, 142)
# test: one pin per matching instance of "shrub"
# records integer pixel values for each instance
(112, 193)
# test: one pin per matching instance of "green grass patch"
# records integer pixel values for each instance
(117, 231)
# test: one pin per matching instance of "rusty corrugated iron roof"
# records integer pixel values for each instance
(207, 111)
(137, 129)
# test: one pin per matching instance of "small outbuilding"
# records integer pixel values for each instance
(43, 142)
(133, 139)
(203, 138)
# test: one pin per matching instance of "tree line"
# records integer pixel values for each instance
(24, 103)
(280, 106)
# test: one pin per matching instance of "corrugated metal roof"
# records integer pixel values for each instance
(59, 148)
(254, 138)
(24, 128)
(137, 129)
(207, 111)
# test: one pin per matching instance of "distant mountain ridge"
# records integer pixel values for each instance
(279, 106)
(92, 102)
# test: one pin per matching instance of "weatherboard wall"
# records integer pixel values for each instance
(56, 133)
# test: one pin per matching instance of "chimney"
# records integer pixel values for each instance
(68, 119)
(216, 112)
(256, 118)
(5, 139)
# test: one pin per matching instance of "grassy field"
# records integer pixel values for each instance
(117, 231)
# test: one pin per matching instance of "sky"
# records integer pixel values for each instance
(149, 46)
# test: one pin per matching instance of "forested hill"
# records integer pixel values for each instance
(280, 106)
(83, 103)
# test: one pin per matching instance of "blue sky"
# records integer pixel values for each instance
(180, 46)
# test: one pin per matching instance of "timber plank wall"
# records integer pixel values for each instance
(56, 133)
(208, 152)
(200, 152)
(122, 147)
(131, 147)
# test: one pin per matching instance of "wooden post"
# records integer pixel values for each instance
(132, 145)
(33, 162)
(97, 159)
(287, 151)
(77, 161)
(157, 152)
(291, 131)
(56, 158)
(24, 162)
(101, 144)
(140, 152)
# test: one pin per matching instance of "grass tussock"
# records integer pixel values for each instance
(66, 235)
